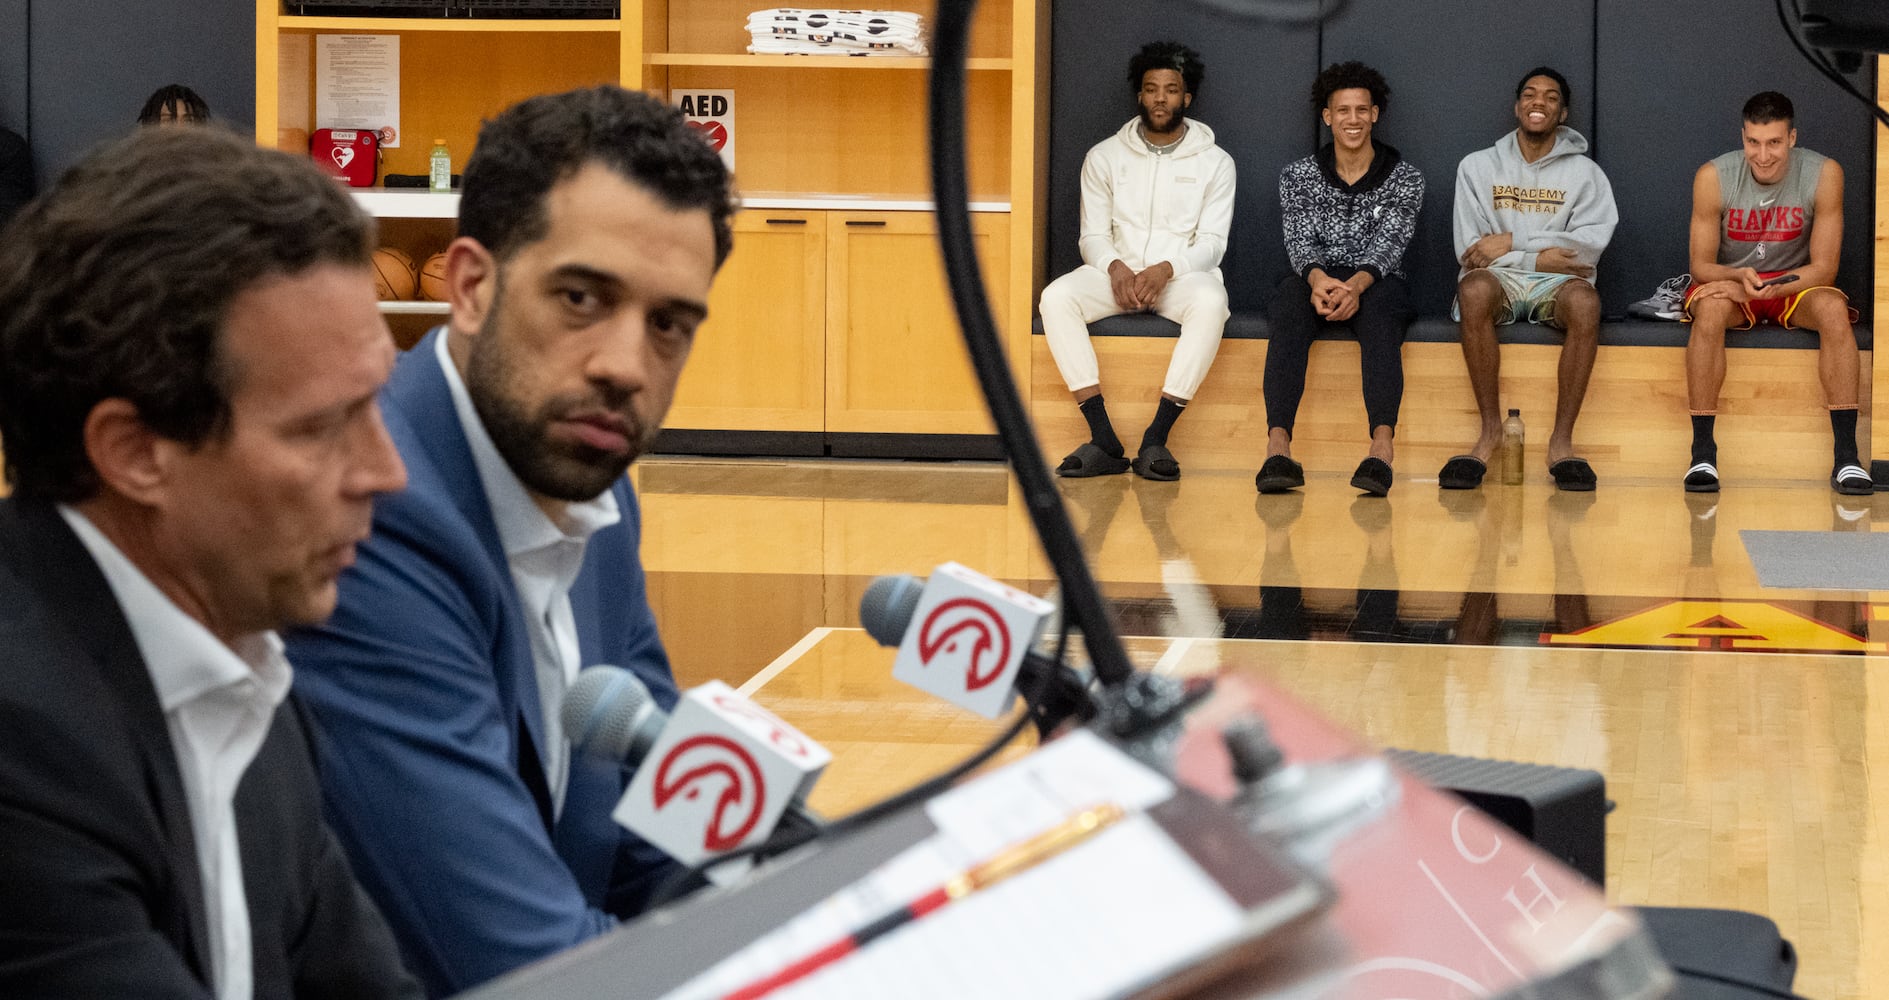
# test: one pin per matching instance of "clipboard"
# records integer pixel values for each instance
(1279, 896)
(1174, 897)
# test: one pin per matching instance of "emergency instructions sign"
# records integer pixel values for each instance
(712, 112)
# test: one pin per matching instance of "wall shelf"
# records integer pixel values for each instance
(382, 203)
(832, 317)
(745, 60)
(382, 25)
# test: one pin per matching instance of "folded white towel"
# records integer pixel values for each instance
(825, 31)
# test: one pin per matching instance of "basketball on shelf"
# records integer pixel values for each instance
(433, 278)
(393, 274)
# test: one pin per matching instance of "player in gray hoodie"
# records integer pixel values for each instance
(1533, 214)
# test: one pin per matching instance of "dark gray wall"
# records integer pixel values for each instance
(1670, 100)
(13, 65)
(90, 64)
(1090, 98)
(1445, 107)
(1657, 89)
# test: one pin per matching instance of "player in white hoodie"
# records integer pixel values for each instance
(1533, 214)
(1157, 201)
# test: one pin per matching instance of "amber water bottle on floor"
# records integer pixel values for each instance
(1512, 437)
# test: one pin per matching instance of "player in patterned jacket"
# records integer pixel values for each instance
(1349, 212)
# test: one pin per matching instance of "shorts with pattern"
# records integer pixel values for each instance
(1527, 295)
(1778, 310)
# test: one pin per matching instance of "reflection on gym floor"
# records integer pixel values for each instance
(1512, 622)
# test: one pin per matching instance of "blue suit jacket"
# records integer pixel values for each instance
(424, 690)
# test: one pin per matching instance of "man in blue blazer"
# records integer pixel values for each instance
(590, 228)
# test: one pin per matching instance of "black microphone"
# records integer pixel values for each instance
(1054, 692)
(609, 714)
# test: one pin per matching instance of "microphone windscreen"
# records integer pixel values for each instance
(604, 710)
(887, 609)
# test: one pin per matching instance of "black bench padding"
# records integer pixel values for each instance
(1442, 330)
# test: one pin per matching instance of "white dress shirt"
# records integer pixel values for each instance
(544, 558)
(217, 703)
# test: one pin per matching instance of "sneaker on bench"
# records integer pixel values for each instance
(1667, 302)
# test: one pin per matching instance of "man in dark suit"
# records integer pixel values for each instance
(190, 350)
(590, 228)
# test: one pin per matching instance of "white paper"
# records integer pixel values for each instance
(1072, 928)
(1031, 795)
(1076, 927)
(357, 84)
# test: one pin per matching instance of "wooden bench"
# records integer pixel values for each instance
(1772, 424)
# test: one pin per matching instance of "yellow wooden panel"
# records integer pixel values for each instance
(896, 361)
(1878, 375)
(822, 130)
(759, 361)
(452, 81)
(1633, 424)
(267, 70)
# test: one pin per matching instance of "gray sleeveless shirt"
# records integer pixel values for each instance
(1766, 227)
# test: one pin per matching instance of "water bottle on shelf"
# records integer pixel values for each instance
(1512, 437)
(441, 178)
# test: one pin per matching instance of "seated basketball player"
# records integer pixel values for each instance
(1157, 201)
(1533, 215)
(1767, 229)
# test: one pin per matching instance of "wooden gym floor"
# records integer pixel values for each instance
(1600, 632)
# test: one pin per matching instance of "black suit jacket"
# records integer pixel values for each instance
(99, 889)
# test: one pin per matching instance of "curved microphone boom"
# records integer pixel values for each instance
(1082, 598)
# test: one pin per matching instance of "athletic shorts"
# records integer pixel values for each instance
(1776, 310)
(1527, 295)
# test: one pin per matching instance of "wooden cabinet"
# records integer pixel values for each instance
(901, 366)
(759, 361)
(837, 321)
(833, 322)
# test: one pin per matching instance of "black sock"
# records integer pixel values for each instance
(1101, 432)
(1843, 428)
(1164, 417)
(1704, 449)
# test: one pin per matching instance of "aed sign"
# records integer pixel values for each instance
(711, 112)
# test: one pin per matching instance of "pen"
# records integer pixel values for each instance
(1011, 860)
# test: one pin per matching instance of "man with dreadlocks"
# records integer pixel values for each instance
(1157, 201)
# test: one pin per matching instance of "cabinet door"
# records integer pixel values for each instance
(759, 361)
(896, 362)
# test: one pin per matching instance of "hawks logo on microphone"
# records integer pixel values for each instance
(700, 759)
(968, 628)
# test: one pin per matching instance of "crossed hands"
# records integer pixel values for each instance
(1334, 300)
(1135, 292)
(1558, 260)
(1744, 286)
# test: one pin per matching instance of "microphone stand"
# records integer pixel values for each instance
(1131, 704)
